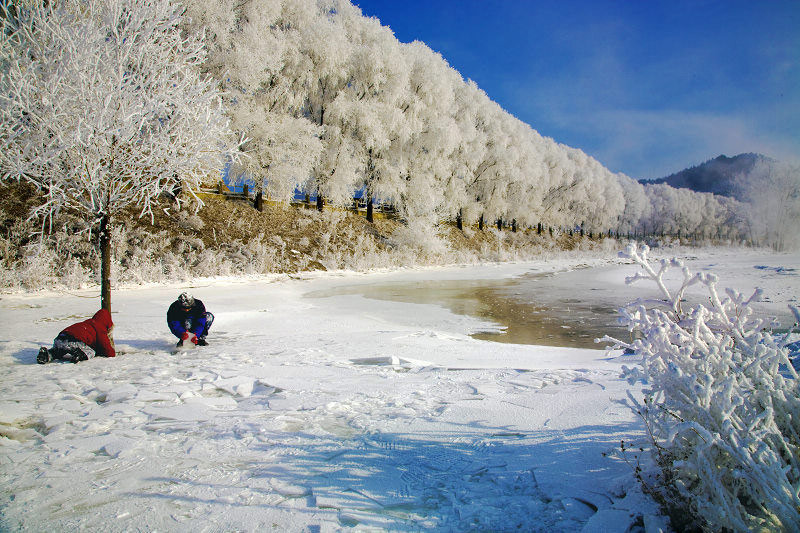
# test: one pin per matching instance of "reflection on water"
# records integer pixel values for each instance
(568, 322)
(529, 314)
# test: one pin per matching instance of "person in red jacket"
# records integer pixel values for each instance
(82, 341)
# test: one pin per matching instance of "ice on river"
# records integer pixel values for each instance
(323, 414)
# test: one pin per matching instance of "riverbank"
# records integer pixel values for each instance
(229, 237)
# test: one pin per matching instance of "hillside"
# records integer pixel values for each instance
(717, 176)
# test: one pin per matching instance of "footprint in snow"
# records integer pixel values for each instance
(289, 490)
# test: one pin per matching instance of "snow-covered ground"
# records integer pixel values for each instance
(326, 414)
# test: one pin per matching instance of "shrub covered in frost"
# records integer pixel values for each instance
(721, 402)
(189, 221)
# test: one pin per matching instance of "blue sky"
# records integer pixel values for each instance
(646, 87)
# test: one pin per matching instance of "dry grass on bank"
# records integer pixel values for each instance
(228, 236)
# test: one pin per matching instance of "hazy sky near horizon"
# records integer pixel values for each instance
(648, 88)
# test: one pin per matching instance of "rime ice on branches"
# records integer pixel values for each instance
(103, 107)
(722, 400)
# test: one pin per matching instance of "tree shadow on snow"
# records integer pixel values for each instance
(27, 356)
(145, 345)
(467, 480)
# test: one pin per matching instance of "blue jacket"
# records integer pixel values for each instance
(177, 318)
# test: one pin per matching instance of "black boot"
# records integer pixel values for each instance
(77, 356)
(43, 356)
(202, 341)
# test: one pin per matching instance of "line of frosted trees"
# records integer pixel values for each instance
(110, 104)
(118, 102)
(332, 103)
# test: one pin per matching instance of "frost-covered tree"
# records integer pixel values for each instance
(595, 199)
(320, 75)
(487, 182)
(663, 200)
(368, 110)
(772, 193)
(428, 106)
(732, 220)
(637, 206)
(332, 103)
(102, 107)
(529, 203)
(284, 143)
(256, 52)
(469, 152)
(561, 184)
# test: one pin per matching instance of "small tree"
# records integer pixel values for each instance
(721, 403)
(772, 192)
(102, 107)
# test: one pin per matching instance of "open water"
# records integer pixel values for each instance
(529, 308)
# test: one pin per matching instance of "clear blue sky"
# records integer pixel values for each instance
(646, 87)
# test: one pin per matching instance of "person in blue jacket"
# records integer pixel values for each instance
(188, 319)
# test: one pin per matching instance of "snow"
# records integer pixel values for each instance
(327, 414)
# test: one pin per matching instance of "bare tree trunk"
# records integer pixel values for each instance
(105, 262)
(370, 177)
(176, 191)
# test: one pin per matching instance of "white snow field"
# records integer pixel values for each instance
(327, 414)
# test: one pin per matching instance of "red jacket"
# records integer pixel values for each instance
(94, 333)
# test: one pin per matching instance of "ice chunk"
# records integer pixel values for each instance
(609, 521)
(191, 412)
(118, 446)
(17, 433)
(237, 386)
(121, 393)
(222, 402)
(578, 509)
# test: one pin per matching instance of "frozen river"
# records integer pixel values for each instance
(527, 308)
(569, 308)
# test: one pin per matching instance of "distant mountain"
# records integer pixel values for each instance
(716, 176)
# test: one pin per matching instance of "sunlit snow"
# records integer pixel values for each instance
(323, 414)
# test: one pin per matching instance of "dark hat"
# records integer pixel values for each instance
(186, 300)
